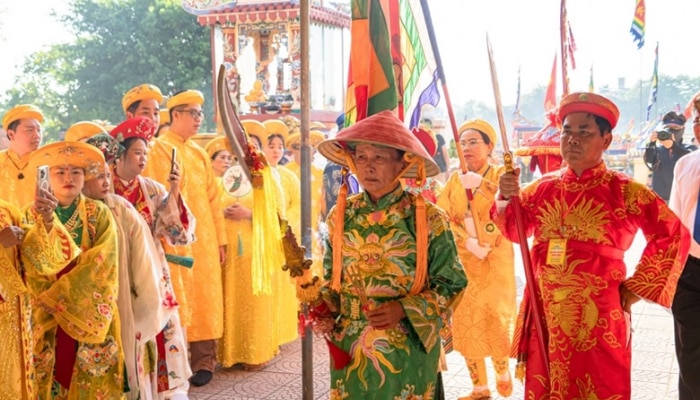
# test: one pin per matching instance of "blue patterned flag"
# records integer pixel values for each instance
(429, 95)
(638, 23)
(654, 82)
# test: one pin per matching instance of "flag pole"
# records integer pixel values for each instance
(564, 39)
(535, 304)
(450, 111)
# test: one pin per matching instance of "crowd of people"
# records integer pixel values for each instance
(135, 262)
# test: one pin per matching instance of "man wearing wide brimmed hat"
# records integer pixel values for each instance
(22, 124)
(583, 219)
(391, 266)
(200, 192)
(143, 101)
(77, 316)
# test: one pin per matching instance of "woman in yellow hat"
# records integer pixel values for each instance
(274, 148)
(250, 295)
(40, 243)
(482, 324)
(77, 347)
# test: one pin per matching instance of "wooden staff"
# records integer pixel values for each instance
(441, 75)
(535, 303)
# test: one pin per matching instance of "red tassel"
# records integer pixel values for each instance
(339, 357)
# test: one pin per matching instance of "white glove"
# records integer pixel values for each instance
(479, 251)
(470, 180)
(469, 226)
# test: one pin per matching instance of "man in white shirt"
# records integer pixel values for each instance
(686, 303)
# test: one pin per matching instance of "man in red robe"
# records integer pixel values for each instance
(583, 218)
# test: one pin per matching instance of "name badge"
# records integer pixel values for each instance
(556, 252)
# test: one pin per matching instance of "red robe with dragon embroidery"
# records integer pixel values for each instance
(599, 215)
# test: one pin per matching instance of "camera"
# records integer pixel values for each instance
(664, 135)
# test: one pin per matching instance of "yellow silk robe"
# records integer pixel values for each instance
(18, 192)
(199, 190)
(248, 319)
(482, 323)
(16, 367)
(316, 200)
(83, 302)
(286, 290)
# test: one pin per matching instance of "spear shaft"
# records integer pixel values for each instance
(535, 303)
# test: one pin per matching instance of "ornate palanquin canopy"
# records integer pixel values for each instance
(250, 12)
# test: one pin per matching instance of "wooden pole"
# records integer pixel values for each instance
(307, 365)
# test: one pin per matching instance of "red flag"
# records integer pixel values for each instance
(550, 97)
(571, 46)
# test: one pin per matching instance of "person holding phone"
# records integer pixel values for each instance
(172, 227)
(77, 344)
(35, 243)
(198, 188)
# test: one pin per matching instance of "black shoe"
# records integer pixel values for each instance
(201, 377)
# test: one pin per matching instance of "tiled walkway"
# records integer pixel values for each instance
(654, 370)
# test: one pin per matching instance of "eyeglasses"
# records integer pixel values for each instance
(196, 114)
(471, 142)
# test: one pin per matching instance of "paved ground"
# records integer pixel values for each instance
(654, 372)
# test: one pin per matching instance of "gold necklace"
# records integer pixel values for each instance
(73, 222)
(21, 173)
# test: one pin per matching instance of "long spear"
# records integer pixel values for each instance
(453, 122)
(535, 303)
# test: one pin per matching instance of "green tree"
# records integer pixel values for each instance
(118, 45)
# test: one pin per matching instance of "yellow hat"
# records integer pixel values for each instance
(254, 128)
(141, 92)
(22, 111)
(76, 154)
(318, 126)
(164, 116)
(186, 97)
(276, 127)
(83, 130)
(481, 126)
(217, 144)
(315, 137)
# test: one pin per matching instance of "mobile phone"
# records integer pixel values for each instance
(172, 160)
(42, 178)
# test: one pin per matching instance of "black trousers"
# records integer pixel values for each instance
(686, 316)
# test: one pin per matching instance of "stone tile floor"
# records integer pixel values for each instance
(654, 368)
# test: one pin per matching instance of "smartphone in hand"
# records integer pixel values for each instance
(42, 178)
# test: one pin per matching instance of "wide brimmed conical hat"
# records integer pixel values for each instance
(382, 129)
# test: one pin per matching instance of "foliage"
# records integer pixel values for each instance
(119, 44)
